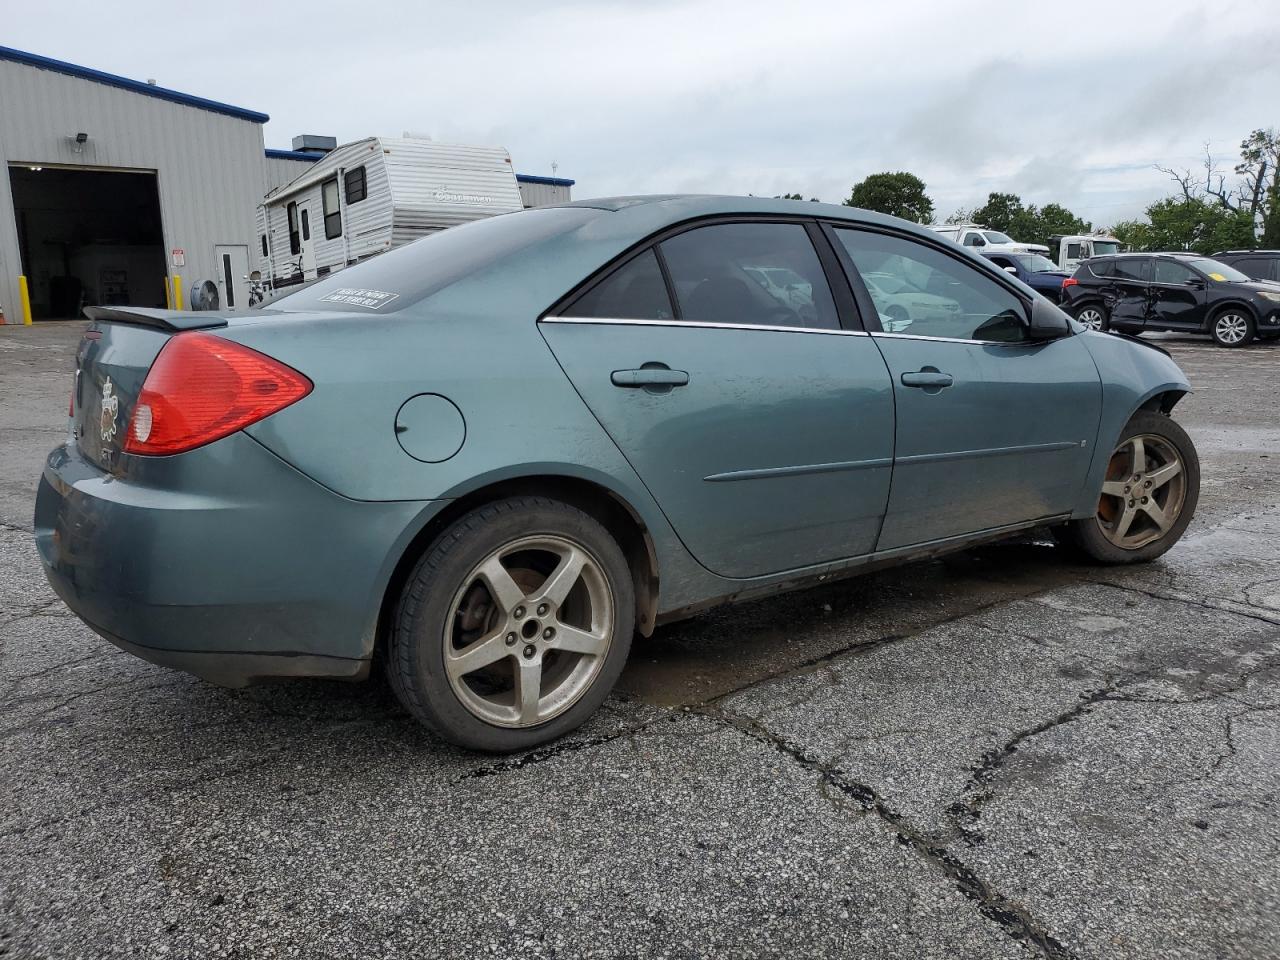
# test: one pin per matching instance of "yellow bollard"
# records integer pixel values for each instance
(25, 295)
(177, 292)
(168, 296)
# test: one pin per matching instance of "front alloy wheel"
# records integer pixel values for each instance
(1143, 494)
(1149, 494)
(1232, 329)
(513, 626)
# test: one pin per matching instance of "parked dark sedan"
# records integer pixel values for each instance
(1038, 272)
(1182, 292)
(492, 456)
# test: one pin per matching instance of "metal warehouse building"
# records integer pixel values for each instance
(124, 192)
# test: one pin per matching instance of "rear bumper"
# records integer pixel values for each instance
(224, 562)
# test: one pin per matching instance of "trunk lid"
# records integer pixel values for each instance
(112, 362)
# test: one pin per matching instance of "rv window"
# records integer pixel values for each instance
(357, 187)
(295, 246)
(332, 209)
(264, 246)
(306, 224)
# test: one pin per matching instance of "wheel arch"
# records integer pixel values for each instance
(614, 512)
(1218, 309)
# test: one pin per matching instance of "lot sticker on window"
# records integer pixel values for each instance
(1217, 276)
(357, 297)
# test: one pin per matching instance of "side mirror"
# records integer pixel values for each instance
(1013, 270)
(1047, 321)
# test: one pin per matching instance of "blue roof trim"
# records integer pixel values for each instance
(124, 83)
(549, 181)
(293, 155)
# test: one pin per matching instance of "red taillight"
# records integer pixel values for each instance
(1070, 282)
(202, 388)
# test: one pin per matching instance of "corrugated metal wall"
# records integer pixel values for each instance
(543, 194)
(280, 171)
(210, 165)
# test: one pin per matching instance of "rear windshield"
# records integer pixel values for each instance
(392, 281)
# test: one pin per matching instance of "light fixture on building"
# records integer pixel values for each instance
(78, 141)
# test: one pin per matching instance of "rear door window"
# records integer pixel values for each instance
(1133, 268)
(634, 291)
(762, 274)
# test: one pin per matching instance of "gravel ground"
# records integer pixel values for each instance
(1000, 754)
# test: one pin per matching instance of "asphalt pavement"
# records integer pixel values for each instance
(999, 754)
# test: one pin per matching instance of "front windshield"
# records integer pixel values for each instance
(1105, 248)
(995, 236)
(1038, 264)
(1219, 271)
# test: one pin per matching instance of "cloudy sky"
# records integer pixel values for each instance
(1069, 102)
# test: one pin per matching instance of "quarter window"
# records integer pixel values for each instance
(295, 245)
(919, 290)
(357, 188)
(635, 291)
(332, 210)
(1101, 268)
(1169, 272)
(1134, 268)
(763, 274)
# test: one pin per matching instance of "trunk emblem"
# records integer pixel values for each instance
(110, 408)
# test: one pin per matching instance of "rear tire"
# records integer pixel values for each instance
(1094, 316)
(1232, 327)
(1148, 496)
(513, 626)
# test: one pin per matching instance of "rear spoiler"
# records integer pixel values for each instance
(151, 317)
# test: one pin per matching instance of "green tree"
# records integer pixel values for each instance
(1179, 223)
(1027, 223)
(898, 194)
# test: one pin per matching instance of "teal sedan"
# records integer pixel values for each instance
(488, 460)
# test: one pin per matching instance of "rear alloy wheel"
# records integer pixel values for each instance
(1231, 329)
(514, 626)
(1149, 494)
(1092, 316)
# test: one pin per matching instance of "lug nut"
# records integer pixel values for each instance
(511, 639)
(518, 612)
(1145, 499)
(1131, 503)
(1147, 485)
(529, 651)
(548, 633)
(542, 609)
(1126, 489)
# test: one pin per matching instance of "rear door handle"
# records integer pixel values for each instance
(659, 377)
(927, 378)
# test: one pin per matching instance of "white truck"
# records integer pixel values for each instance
(984, 240)
(1070, 249)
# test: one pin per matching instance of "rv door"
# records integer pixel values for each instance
(308, 246)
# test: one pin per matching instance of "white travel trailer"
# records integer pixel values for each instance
(366, 197)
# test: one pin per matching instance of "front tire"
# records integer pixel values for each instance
(1232, 328)
(1149, 494)
(1094, 316)
(513, 626)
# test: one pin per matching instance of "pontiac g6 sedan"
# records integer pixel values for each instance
(487, 459)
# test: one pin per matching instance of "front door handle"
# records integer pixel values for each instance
(656, 378)
(928, 377)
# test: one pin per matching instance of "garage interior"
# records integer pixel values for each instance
(88, 237)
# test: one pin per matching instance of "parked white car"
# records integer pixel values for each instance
(987, 241)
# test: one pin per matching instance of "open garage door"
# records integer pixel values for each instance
(88, 237)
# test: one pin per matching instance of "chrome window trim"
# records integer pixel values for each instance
(616, 321)
(985, 343)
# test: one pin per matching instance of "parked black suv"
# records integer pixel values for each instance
(1259, 264)
(1186, 292)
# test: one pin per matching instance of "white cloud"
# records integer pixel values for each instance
(1068, 103)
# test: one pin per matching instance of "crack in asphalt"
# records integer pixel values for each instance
(1251, 613)
(1012, 918)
